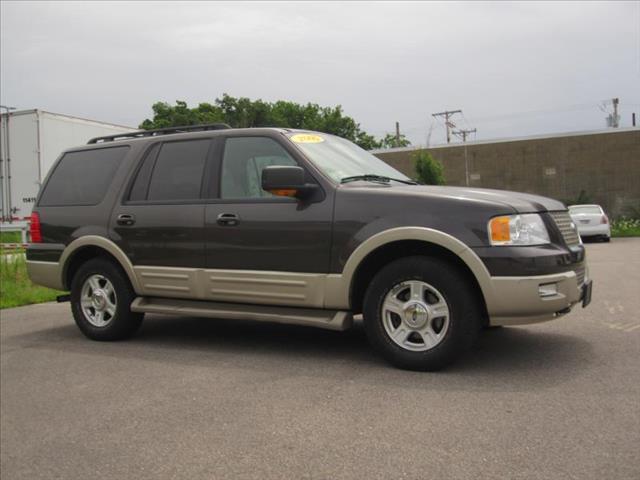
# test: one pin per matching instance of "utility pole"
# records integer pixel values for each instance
(633, 119)
(463, 133)
(450, 125)
(397, 134)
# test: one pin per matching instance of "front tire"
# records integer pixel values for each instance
(101, 297)
(421, 313)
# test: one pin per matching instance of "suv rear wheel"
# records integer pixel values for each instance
(421, 313)
(101, 297)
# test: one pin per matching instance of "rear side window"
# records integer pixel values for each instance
(178, 171)
(82, 178)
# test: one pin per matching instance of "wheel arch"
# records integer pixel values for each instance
(400, 242)
(93, 246)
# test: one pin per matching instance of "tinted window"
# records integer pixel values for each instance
(82, 178)
(242, 164)
(177, 174)
(140, 187)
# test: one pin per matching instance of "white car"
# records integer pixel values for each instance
(591, 221)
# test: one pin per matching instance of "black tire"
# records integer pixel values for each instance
(124, 323)
(465, 317)
(606, 239)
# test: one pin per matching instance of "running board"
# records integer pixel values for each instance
(327, 319)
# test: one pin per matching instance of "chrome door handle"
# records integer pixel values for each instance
(126, 219)
(228, 219)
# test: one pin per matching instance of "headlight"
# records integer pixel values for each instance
(527, 229)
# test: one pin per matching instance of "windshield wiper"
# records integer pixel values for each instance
(370, 177)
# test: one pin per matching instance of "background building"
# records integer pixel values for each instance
(596, 167)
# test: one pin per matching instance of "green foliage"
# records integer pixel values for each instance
(390, 141)
(243, 112)
(10, 237)
(15, 287)
(625, 227)
(428, 170)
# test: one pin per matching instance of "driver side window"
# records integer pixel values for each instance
(242, 164)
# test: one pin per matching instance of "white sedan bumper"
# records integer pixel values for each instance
(600, 229)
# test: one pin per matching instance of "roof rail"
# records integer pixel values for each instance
(160, 131)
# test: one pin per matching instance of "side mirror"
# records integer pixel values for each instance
(285, 181)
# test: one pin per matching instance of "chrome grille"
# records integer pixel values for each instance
(580, 271)
(566, 227)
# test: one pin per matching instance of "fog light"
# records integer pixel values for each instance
(548, 290)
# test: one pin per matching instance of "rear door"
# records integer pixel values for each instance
(160, 222)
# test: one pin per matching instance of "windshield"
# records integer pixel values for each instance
(339, 158)
(585, 209)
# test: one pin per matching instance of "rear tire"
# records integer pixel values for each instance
(421, 313)
(101, 297)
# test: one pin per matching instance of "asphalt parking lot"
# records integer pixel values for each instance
(200, 398)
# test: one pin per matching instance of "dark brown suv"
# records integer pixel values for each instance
(296, 227)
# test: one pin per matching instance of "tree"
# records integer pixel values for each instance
(428, 170)
(390, 141)
(243, 112)
(165, 115)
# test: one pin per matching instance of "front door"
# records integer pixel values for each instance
(264, 248)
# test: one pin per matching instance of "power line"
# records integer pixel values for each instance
(515, 115)
(569, 108)
(428, 139)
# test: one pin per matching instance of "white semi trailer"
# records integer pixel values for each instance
(30, 142)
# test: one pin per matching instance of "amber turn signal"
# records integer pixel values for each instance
(284, 192)
(500, 229)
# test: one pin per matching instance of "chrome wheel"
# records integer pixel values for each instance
(98, 300)
(415, 315)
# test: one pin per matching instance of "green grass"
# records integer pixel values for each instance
(625, 227)
(15, 287)
(10, 237)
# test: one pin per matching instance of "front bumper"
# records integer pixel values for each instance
(518, 301)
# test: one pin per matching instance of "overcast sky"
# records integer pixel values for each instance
(513, 68)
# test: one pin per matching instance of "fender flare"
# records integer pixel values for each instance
(105, 244)
(339, 285)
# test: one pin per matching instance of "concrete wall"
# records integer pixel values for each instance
(606, 165)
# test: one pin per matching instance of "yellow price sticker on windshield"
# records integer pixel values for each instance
(306, 138)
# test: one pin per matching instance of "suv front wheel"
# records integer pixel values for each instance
(421, 313)
(101, 297)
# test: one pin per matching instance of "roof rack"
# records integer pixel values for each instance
(160, 131)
